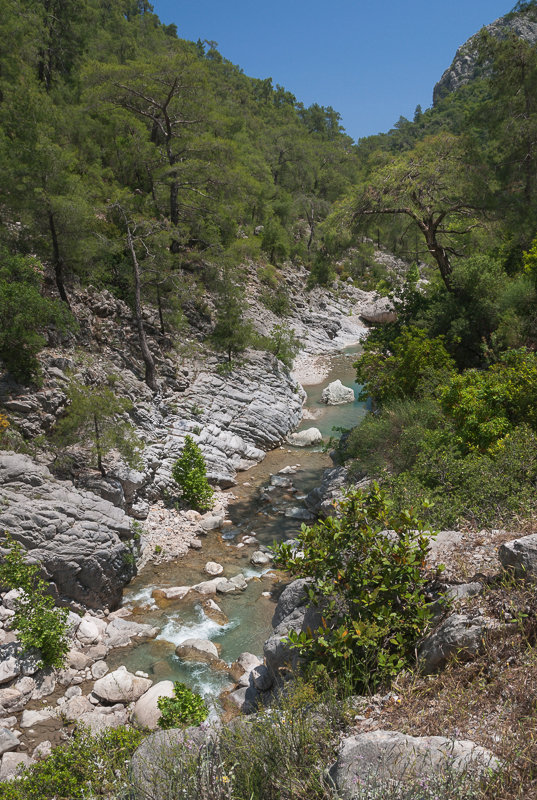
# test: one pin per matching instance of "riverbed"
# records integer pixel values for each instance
(256, 509)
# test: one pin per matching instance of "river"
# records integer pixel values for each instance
(255, 509)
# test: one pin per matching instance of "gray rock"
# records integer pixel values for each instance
(212, 568)
(520, 556)
(280, 482)
(121, 686)
(31, 718)
(97, 721)
(120, 632)
(262, 678)
(293, 596)
(321, 499)
(146, 712)
(197, 650)
(463, 590)
(459, 635)
(336, 394)
(245, 698)
(305, 438)
(75, 535)
(465, 66)
(11, 763)
(99, 670)
(390, 755)
(260, 559)
(297, 512)
(152, 773)
(8, 741)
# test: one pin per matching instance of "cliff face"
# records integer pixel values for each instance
(465, 68)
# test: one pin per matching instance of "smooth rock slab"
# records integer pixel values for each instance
(121, 686)
(335, 394)
(146, 712)
(390, 755)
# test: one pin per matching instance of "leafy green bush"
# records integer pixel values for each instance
(485, 405)
(87, 767)
(185, 708)
(190, 475)
(276, 300)
(38, 622)
(283, 343)
(369, 587)
(25, 313)
(413, 366)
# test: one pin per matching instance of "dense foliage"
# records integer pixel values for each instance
(190, 474)
(40, 624)
(140, 162)
(86, 767)
(183, 709)
(366, 570)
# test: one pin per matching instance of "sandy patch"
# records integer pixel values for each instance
(310, 369)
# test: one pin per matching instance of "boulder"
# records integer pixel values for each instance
(170, 593)
(212, 568)
(146, 713)
(88, 631)
(386, 756)
(260, 559)
(305, 438)
(120, 632)
(214, 612)
(121, 686)
(31, 718)
(8, 741)
(152, 777)
(11, 763)
(97, 721)
(335, 394)
(459, 635)
(197, 650)
(245, 663)
(520, 556)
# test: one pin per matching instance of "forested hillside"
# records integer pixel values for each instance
(455, 378)
(145, 164)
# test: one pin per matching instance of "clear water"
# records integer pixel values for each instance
(253, 511)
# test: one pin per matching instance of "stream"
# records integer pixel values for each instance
(255, 509)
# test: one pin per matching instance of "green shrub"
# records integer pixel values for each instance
(185, 708)
(283, 343)
(190, 475)
(38, 622)
(87, 767)
(413, 366)
(276, 300)
(369, 587)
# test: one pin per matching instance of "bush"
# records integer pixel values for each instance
(283, 343)
(412, 367)
(369, 587)
(25, 314)
(87, 767)
(185, 708)
(38, 622)
(190, 475)
(276, 300)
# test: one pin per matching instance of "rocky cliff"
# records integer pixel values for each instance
(465, 67)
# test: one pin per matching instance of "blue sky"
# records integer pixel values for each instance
(373, 61)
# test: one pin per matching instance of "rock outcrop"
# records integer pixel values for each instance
(81, 540)
(336, 394)
(465, 66)
(389, 755)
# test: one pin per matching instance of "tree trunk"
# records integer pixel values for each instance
(57, 259)
(439, 255)
(98, 446)
(160, 315)
(150, 372)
